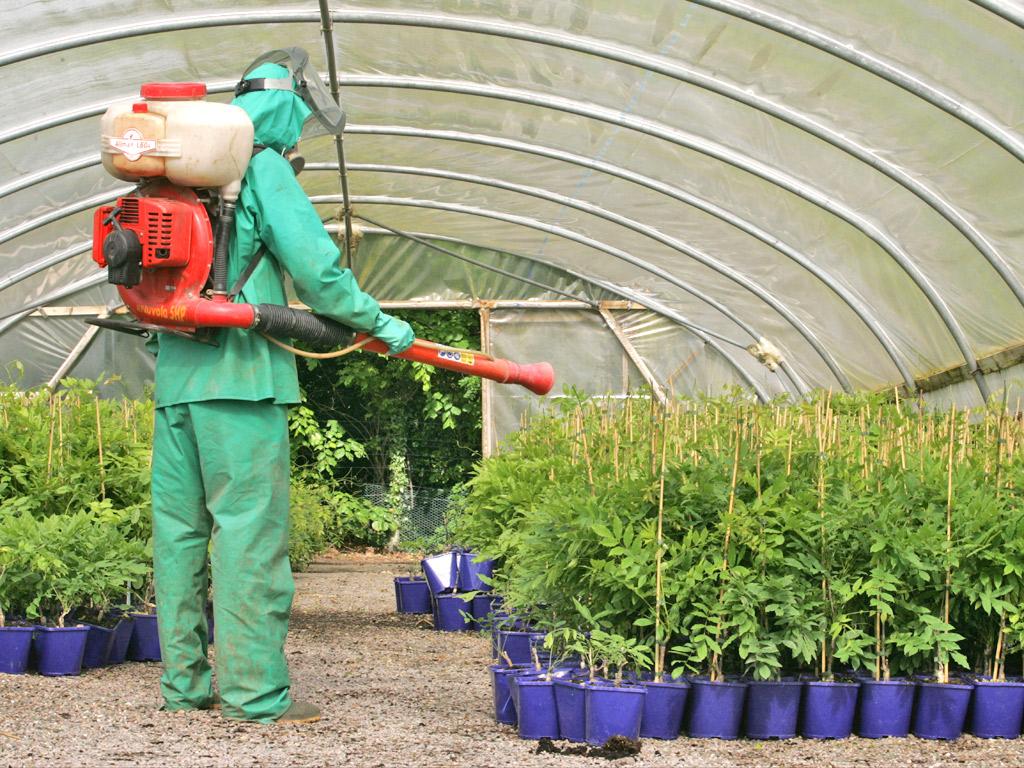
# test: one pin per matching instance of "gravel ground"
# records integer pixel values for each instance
(393, 693)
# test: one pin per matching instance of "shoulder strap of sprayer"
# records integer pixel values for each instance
(256, 259)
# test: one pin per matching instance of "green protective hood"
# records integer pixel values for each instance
(278, 116)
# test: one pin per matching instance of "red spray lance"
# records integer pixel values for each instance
(160, 247)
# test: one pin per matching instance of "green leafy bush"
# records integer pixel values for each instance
(841, 532)
(356, 522)
(308, 519)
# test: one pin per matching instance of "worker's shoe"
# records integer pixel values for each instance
(300, 712)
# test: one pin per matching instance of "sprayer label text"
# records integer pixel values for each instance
(132, 145)
(459, 357)
(172, 313)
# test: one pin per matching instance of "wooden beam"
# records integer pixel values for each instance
(638, 361)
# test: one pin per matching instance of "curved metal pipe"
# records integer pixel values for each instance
(1013, 14)
(848, 297)
(712, 149)
(35, 267)
(658, 130)
(676, 193)
(890, 72)
(641, 59)
(800, 385)
(509, 218)
(912, 83)
(654, 306)
(654, 234)
(53, 172)
(60, 213)
(9, 321)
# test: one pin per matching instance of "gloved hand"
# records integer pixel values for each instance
(397, 334)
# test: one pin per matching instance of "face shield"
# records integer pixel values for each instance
(304, 81)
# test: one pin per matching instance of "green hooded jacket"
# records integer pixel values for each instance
(273, 213)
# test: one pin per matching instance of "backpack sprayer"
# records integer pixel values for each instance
(165, 246)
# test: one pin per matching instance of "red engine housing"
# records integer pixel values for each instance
(176, 236)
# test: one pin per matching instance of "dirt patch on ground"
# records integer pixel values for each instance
(394, 693)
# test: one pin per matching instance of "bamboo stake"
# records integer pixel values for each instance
(659, 652)
(49, 449)
(716, 672)
(944, 666)
(99, 440)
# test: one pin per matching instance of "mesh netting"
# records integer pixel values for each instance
(425, 515)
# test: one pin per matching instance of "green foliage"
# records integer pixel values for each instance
(828, 551)
(356, 522)
(309, 516)
(52, 565)
(389, 406)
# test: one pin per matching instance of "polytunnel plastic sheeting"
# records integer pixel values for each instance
(856, 164)
(405, 270)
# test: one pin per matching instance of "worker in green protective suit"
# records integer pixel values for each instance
(220, 448)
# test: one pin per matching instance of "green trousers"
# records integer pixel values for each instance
(220, 474)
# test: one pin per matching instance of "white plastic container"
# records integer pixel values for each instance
(172, 132)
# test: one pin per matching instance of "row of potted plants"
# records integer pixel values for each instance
(59, 651)
(585, 692)
(737, 541)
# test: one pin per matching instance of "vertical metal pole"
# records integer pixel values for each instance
(327, 27)
(486, 387)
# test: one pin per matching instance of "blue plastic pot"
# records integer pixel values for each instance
(715, 710)
(828, 710)
(448, 613)
(412, 594)
(59, 650)
(941, 710)
(97, 647)
(613, 711)
(470, 573)
(482, 607)
(15, 644)
(572, 713)
(664, 707)
(145, 640)
(997, 710)
(773, 709)
(534, 700)
(504, 708)
(884, 708)
(122, 638)
(516, 644)
(441, 571)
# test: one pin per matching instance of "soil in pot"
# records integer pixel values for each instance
(15, 644)
(97, 647)
(884, 708)
(828, 710)
(664, 707)
(59, 650)
(715, 710)
(144, 644)
(773, 709)
(997, 710)
(534, 699)
(940, 710)
(450, 614)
